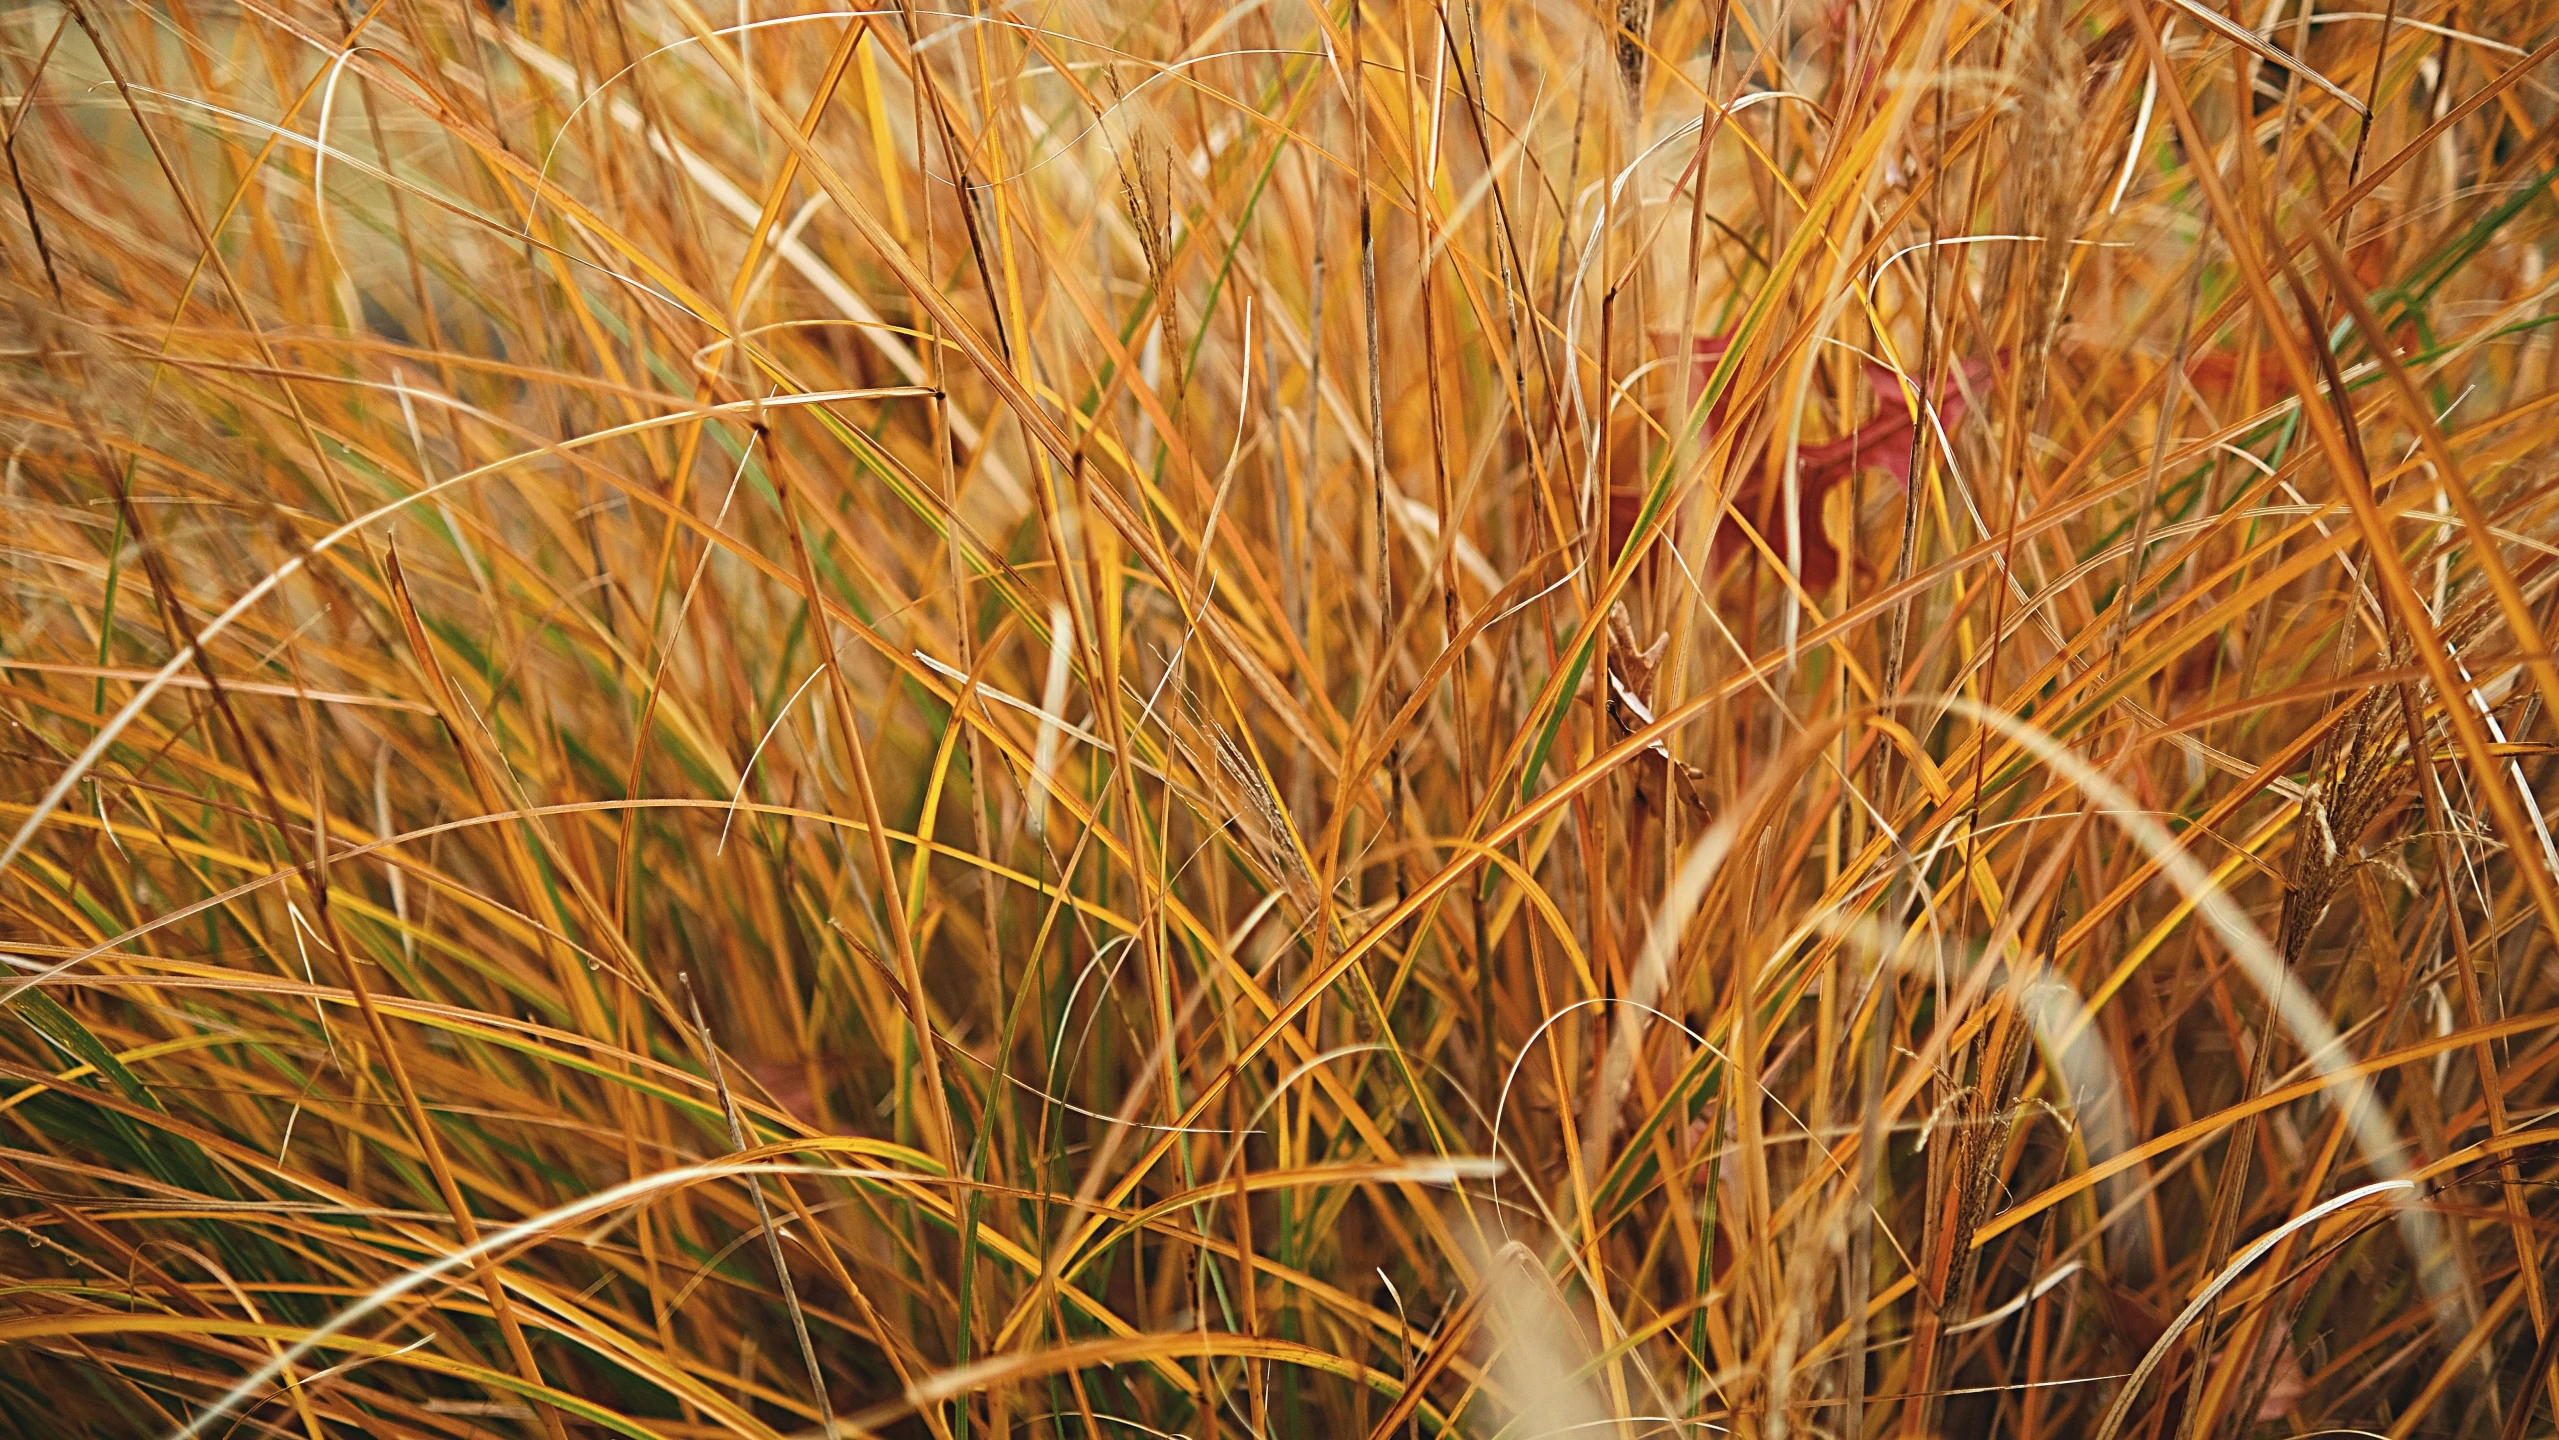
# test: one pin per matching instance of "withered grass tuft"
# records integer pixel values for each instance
(1391, 718)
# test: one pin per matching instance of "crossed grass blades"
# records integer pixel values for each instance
(1453, 718)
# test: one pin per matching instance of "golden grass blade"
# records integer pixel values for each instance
(1876, 676)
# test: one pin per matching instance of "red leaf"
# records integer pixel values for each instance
(2289, 1384)
(1882, 443)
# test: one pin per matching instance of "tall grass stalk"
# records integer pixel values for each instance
(1367, 719)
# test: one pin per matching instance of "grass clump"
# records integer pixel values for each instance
(1440, 719)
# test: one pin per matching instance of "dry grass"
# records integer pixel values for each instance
(1456, 718)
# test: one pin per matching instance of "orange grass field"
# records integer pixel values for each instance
(1381, 718)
